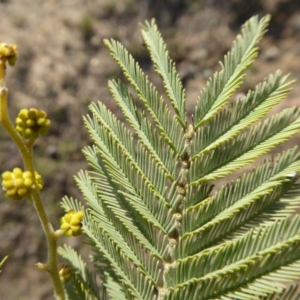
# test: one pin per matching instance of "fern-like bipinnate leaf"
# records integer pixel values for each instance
(84, 284)
(158, 226)
(224, 83)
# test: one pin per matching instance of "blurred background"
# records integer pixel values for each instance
(63, 66)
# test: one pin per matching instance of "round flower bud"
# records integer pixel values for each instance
(18, 184)
(65, 272)
(71, 223)
(9, 53)
(32, 123)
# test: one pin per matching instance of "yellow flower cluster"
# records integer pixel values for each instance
(32, 123)
(18, 184)
(65, 272)
(9, 53)
(71, 223)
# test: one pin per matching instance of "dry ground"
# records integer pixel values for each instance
(63, 66)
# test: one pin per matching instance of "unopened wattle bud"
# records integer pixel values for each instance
(32, 123)
(18, 184)
(71, 223)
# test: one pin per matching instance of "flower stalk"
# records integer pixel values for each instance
(8, 53)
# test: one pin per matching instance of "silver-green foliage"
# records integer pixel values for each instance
(158, 227)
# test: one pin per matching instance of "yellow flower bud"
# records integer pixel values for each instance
(32, 123)
(32, 113)
(23, 114)
(65, 272)
(28, 182)
(4, 50)
(22, 191)
(9, 53)
(8, 184)
(17, 172)
(7, 175)
(40, 121)
(11, 193)
(71, 223)
(18, 184)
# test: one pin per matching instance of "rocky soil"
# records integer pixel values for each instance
(63, 66)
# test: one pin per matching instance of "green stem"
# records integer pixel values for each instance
(26, 153)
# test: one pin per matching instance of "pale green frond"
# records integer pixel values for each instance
(273, 212)
(148, 95)
(251, 260)
(135, 239)
(245, 148)
(143, 129)
(106, 120)
(139, 194)
(89, 193)
(85, 183)
(228, 222)
(135, 209)
(121, 163)
(69, 203)
(253, 243)
(255, 199)
(265, 286)
(284, 206)
(115, 258)
(210, 260)
(73, 291)
(129, 233)
(224, 83)
(287, 273)
(157, 225)
(289, 203)
(232, 120)
(108, 243)
(110, 195)
(114, 289)
(290, 293)
(126, 145)
(195, 194)
(165, 67)
(115, 207)
(83, 278)
(250, 186)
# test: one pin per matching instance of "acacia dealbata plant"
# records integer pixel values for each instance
(158, 225)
